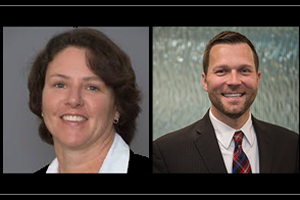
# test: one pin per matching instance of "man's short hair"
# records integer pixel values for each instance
(228, 37)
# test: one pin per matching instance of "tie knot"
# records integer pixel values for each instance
(238, 138)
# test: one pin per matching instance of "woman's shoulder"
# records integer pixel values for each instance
(42, 170)
(138, 164)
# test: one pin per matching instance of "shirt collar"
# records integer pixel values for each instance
(224, 133)
(116, 160)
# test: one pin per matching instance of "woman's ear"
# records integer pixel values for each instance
(116, 117)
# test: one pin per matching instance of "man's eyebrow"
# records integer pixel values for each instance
(87, 78)
(226, 66)
(220, 66)
(246, 65)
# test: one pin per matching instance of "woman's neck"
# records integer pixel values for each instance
(85, 160)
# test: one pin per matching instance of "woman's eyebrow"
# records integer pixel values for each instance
(91, 78)
(60, 76)
(87, 78)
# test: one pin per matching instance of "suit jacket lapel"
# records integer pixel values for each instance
(207, 145)
(264, 140)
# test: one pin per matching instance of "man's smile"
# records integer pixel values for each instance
(233, 95)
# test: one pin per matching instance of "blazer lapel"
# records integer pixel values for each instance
(207, 145)
(264, 140)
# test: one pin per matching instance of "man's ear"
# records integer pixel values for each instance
(204, 82)
(258, 78)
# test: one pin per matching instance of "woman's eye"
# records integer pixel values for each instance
(60, 85)
(93, 88)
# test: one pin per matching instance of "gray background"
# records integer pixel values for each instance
(23, 150)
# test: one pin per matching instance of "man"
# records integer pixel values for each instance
(228, 139)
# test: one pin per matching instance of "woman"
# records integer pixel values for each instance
(83, 88)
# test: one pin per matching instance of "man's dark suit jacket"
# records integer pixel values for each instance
(137, 164)
(195, 149)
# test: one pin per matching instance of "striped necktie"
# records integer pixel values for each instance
(240, 163)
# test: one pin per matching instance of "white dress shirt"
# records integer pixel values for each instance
(116, 160)
(225, 133)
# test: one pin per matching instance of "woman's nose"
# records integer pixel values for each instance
(74, 98)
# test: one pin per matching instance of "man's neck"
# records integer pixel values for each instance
(235, 123)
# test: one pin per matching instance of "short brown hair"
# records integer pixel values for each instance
(228, 37)
(106, 60)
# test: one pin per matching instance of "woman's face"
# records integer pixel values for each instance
(78, 108)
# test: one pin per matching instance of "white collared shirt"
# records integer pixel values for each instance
(225, 133)
(116, 160)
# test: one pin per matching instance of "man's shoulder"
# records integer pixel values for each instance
(276, 131)
(186, 135)
(179, 135)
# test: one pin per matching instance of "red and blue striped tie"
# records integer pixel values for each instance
(240, 164)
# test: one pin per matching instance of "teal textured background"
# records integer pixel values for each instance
(179, 98)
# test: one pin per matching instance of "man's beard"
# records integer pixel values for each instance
(234, 113)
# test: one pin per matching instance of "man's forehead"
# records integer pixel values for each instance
(231, 54)
(244, 47)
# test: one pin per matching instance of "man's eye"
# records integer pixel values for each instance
(93, 88)
(245, 70)
(59, 85)
(220, 71)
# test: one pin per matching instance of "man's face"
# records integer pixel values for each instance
(231, 80)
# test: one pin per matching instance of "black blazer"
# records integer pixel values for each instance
(195, 149)
(137, 164)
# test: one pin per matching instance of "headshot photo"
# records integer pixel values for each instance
(76, 100)
(225, 100)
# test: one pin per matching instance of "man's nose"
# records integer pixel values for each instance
(233, 79)
(74, 98)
